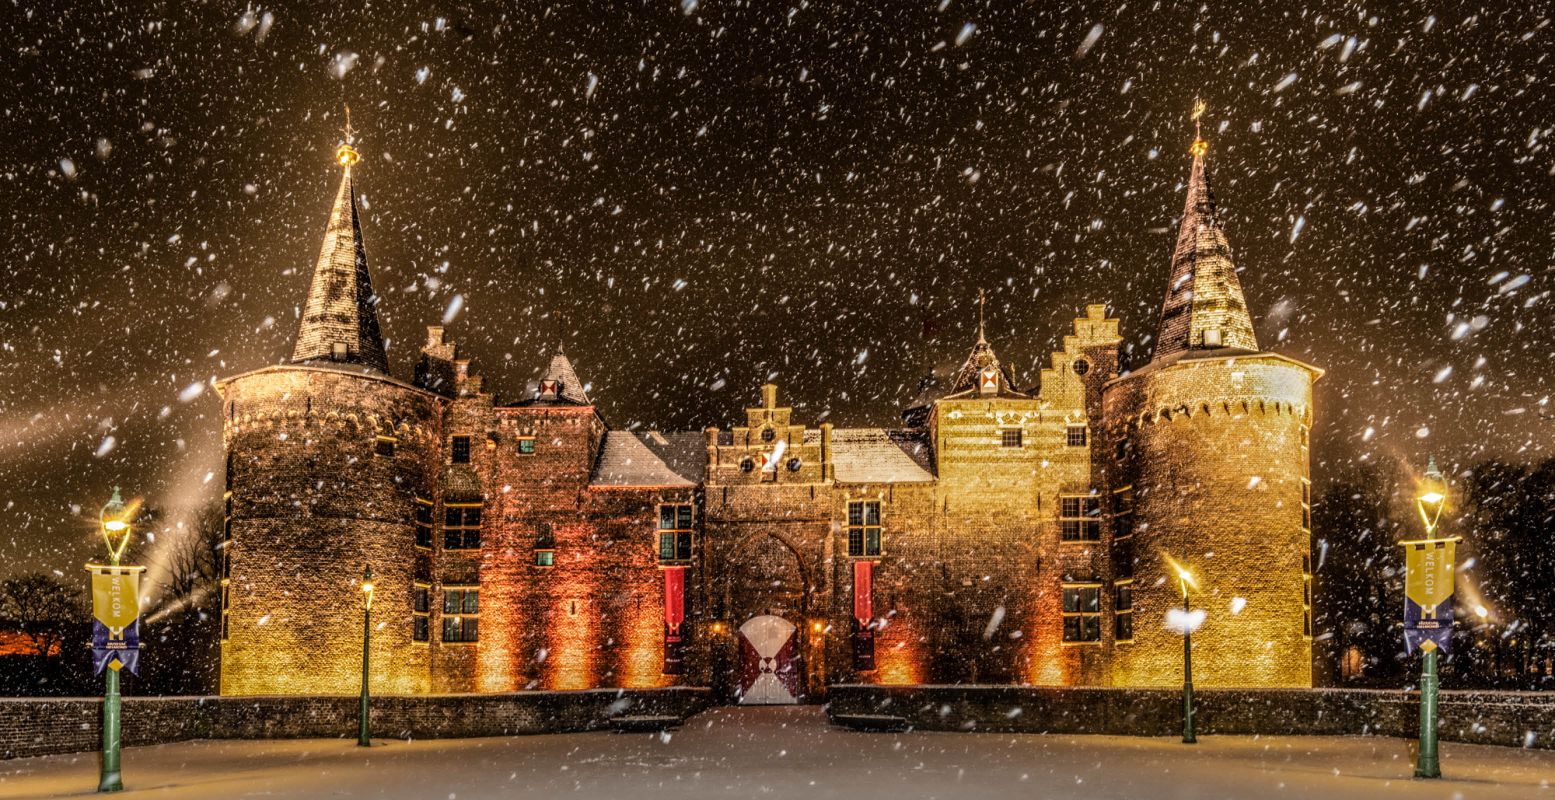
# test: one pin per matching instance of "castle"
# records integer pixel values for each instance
(1003, 532)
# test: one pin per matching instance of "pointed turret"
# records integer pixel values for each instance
(560, 383)
(1204, 308)
(982, 371)
(340, 321)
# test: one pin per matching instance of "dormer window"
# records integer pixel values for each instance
(339, 351)
(988, 381)
(550, 389)
(1211, 337)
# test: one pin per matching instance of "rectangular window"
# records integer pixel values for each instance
(675, 532)
(421, 611)
(1306, 505)
(385, 446)
(461, 450)
(545, 558)
(461, 527)
(461, 614)
(1079, 518)
(1306, 594)
(226, 606)
(1123, 525)
(423, 523)
(1123, 611)
(1075, 435)
(864, 528)
(1082, 612)
(1010, 438)
(526, 445)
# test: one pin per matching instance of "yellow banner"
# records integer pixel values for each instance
(115, 595)
(1430, 567)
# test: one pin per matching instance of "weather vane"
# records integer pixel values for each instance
(345, 153)
(1199, 145)
(982, 299)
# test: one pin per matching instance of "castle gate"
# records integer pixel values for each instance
(767, 601)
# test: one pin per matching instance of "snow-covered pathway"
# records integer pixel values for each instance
(790, 752)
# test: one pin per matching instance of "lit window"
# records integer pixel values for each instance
(675, 532)
(1306, 594)
(421, 619)
(461, 527)
(526, 445)
(1010, 438)
(545, 558)
(461, 450)
(226, 608)
(461, 614)
(423, 523)
(385, 446)
(864, 528)
(1123, 611)
(1079, 518)
(1075, 435)
(1082, 613)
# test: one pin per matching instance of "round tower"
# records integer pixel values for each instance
(327, 457)
(1209, 479)
(1214, 455)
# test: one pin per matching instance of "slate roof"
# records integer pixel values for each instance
(341, 303)
(878, 455)
(571, 386)
(628, 458)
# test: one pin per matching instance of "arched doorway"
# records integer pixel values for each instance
(767, 601)
(769, 662)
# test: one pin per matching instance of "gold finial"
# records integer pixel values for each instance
(1200, 147)
(345, 153)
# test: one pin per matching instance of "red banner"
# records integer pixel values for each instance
(674, 615)
(863, 591)
(674, 597)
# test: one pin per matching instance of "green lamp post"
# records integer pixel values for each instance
(1184, 579)
(114, 522)
(363, 739)
(1430, 501)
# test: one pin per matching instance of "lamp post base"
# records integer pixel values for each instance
(1429, 764)
(111, 780)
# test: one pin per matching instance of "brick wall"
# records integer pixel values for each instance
(44, 726)
(312, 503)
(1216, 457)
(1499, 718)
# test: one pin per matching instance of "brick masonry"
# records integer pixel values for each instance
(330, 458)
(45, 726)
(1514, 719)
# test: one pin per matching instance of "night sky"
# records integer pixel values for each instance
(697, 198)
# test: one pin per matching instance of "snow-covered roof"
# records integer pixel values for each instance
(877, 455)
(651, 459)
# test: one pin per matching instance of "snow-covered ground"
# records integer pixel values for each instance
(792, 753)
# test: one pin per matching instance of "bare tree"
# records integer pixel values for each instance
(192, 561)
(43, 606)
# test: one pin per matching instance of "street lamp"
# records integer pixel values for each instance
(114, 521)
(362, 737)
(1184, 578)
(1432, 498)
(1434, 585)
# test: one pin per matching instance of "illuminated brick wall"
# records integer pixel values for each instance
(311, 505)
(1217, 456)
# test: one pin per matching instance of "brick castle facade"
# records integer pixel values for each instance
(1003, 532)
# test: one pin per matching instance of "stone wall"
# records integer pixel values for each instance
(44, 726)
(1517, 719)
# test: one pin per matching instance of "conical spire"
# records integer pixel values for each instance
(1204, 308)
(340, 321)
(560, 383)
(982, 371)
